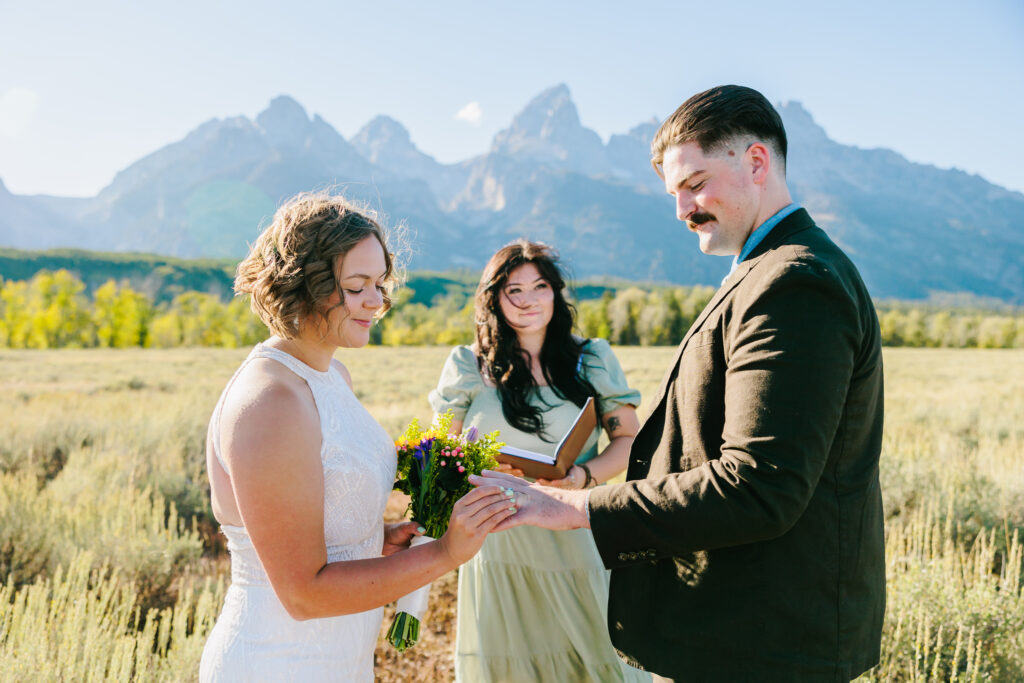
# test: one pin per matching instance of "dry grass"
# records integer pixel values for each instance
(80, 428)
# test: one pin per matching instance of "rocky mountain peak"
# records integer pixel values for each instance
(550, 116)
(552, 105)
(382, 128)
(284, 121)
(644, 132)
(384, 138)
(548, 130)
(799, 123)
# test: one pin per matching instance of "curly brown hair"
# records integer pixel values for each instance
(291, 270)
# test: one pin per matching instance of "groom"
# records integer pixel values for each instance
(746, 543)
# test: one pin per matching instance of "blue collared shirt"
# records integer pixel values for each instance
(759, 234)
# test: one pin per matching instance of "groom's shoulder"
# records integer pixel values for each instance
(809, 253)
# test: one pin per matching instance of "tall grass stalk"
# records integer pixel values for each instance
(84, 624)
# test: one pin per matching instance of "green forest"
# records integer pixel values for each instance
(56, 309)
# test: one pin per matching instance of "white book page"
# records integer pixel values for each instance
(529, 455)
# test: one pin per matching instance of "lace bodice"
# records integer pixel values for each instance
(359, 465)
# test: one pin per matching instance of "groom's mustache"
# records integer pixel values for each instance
(699, 218)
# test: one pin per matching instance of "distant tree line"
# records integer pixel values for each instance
(52, 310)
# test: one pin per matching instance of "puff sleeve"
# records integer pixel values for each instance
(458, 385)
(602, 369)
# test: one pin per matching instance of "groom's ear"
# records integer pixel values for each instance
(759, 158)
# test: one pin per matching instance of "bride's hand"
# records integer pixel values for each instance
(474, 516)
(397, 536)
(546, 507)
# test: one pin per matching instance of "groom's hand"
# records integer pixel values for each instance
(541, 506)
(397, 536)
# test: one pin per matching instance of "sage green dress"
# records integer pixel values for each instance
(533, 603)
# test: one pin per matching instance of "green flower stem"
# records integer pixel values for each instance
(404, 631)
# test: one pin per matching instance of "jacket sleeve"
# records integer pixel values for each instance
(789, 353)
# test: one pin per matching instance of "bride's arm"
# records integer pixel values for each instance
(272, 444)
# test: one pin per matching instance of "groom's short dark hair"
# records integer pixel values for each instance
(714, 117)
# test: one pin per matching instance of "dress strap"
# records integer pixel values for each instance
(292, 363)
(312, 376)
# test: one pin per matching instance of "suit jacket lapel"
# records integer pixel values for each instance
(726, 287)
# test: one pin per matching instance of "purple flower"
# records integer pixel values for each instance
(471, 435)
(422, 453)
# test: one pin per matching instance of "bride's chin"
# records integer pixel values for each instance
(356, 340)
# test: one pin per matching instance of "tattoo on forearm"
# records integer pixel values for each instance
(613, 424)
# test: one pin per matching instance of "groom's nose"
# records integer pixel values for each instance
(685, 206)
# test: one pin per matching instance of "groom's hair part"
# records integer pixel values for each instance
(291, 270)
(717, 117)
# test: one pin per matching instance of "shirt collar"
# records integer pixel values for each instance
(759, 234)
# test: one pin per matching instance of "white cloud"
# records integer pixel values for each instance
(17, 107)
(471, 113)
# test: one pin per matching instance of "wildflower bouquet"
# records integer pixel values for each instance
(433, 469)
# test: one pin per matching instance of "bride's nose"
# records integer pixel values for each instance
(376, 301)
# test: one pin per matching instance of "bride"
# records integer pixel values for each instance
(300, 472)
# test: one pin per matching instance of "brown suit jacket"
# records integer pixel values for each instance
(747, 542)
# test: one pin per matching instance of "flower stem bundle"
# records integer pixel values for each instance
(433, 470)
(404, 631)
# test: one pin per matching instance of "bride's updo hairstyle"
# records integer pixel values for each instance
(291, 270)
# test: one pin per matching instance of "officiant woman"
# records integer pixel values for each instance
(533, 603)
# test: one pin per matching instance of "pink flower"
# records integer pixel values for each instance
(442, 463)
(462, 469)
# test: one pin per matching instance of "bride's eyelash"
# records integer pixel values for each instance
(380, 288)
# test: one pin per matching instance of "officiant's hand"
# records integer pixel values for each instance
(542, 506)
(573, 479)
(508, 469)
(398, 536)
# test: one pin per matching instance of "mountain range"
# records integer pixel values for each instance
(913, 230)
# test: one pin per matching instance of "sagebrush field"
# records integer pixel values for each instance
(111, 566)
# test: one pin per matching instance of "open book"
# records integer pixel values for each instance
(538, 465)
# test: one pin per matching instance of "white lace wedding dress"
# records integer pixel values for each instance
(255, 639)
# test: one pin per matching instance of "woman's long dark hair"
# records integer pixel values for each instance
(506, 362)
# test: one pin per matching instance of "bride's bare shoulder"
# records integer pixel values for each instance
(267, 404)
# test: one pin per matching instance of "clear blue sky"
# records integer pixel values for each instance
(86, 88)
